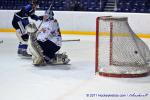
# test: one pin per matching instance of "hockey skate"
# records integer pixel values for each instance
(23, 54)
(60, 59)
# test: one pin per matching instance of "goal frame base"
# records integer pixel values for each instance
(122, 75)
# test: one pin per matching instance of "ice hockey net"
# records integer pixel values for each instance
(119, 51)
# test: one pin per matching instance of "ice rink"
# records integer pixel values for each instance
(20, 80)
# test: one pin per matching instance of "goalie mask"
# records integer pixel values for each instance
(49, 14)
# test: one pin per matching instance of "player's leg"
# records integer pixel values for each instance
(50, 49)
(22, 47)
(22, 36)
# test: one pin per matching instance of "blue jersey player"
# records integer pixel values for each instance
(20, 21)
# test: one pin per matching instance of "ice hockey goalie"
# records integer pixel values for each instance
(45, 43)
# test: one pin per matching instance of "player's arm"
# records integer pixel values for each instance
(35, 17)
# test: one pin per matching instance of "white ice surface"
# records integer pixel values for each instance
(20, 80)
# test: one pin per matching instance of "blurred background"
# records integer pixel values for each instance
(135, 6)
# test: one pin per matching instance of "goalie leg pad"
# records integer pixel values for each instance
(60, 58)
(36, 51)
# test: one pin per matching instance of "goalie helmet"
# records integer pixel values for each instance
(50, 14)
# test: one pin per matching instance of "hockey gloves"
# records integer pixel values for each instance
(25, 37)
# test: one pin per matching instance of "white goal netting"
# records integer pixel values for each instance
(119, 51)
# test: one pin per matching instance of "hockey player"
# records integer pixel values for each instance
(47, 42)
(20, 21)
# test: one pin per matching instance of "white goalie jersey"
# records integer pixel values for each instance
(50, 31)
